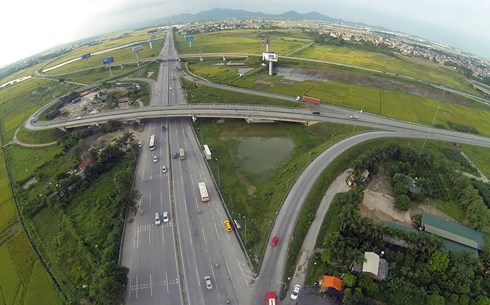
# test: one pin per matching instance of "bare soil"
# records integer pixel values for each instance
(378, 203)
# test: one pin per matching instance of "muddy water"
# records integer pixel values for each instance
(257, 155)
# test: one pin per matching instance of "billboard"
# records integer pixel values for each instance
(189, 38)
(269, 56)
(152, 39)
(86, 56)
(137, 48)
(108, 60)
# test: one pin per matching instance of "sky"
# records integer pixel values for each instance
(28, 27)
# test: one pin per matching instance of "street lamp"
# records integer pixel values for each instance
(219, 182)
(245, 220)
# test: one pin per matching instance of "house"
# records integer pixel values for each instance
(374, 265)
(331, 282)
(456, 237)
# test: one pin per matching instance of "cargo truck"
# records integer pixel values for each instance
(311, 100)
(181, 153)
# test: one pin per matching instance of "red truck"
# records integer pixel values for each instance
(270, 298)
(309, 99)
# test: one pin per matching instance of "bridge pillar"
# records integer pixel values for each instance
(62, 128)
(224, 58)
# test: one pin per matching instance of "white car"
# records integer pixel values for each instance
(165, 216)
(295, 293)
(164, 169)
(157, 219)
(209, 284)
(355, 117)
(155, 159)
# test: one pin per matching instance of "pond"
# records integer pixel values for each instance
(257, 155)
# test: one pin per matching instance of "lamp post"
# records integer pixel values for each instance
(245, 223)
(219, 182)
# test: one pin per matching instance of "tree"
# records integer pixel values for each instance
(435, 299)
(349, 280)
(439, 261)
(402, 202)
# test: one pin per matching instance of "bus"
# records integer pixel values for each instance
(152, 142)
(204, 192)
(182, 153)
(207, 152)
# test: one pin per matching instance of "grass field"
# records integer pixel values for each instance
(9, 279)
(98, 75)
(259, 196)
(39, 136)
(24, 160)
(480, 156)
(40, 290)
(120, 55)
(114, 40)
(389, 103)
(286, 41)
(23, 99)
(203, 94)
(403, 65)
(243, 41)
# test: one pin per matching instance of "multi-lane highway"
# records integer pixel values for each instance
(168, 262)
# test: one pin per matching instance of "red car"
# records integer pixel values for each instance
(275, 239)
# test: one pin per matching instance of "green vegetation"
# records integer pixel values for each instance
(39, 136)
(479, 156)
(403, 65)
(98, 75)
(419, 272)
(204, 94)
(115, 40)
(41, 291)
(147, 70)
(83, 215)
(389, 103)
(21, 100)
(257, 197)
(243, 41)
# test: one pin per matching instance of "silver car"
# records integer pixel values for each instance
(295, 293)
(209, 284)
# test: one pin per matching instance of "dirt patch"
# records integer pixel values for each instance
(378, 203)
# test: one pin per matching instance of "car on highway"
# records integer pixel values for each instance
(316, 112)
(164, 128)
(274, 241)
(164, 169)
(175, 155)
(208, 282)
(79, 117)
(155, 159)
(227, 225)
(157, 219)
(355, 117)
(140, 144)
(295, 293)
(165, 216)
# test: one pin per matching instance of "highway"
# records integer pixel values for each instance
(168, 262)
(149, 250)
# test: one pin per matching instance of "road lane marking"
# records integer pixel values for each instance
(151, 287)
(136, 286)
(166, 280)
(204, 236)
(149, 200)
(149, 237)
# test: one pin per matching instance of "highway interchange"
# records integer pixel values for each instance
(167, 262)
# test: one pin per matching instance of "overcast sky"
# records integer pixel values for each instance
(31, 26)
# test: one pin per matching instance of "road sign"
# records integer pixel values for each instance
(108, 60)
(189, 38)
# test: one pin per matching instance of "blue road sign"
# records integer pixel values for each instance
(108, 60)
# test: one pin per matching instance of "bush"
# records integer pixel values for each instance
(402, 202)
